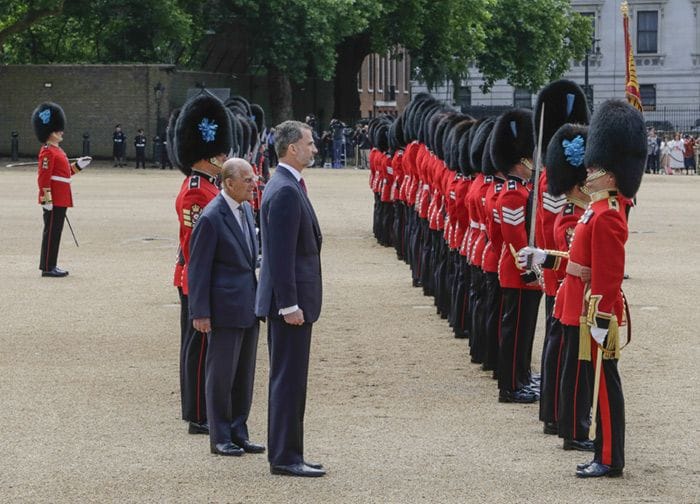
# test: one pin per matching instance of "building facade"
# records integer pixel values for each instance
(384, 83)
(666, 43)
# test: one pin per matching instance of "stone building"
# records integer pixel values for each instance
(383, 83)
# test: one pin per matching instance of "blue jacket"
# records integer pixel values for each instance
(221, 276)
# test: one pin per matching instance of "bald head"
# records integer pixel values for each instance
(238, 179)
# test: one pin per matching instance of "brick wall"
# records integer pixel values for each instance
(95, 98)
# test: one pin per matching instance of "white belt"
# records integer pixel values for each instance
(426, 186)
(482, 227)
(473, 224)
(67, 180)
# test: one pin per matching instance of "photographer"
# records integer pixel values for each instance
(337, 129)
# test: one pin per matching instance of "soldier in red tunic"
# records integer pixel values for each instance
(202, 142)
(54, 179)
(563, 102)
(591, 293)
(512, 145)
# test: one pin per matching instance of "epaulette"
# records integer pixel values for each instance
(512, 185)
(587, 216)
(498, 187)
(194, 182)
(613, 204)
(45, 146)
(569, 209)
(488, 179)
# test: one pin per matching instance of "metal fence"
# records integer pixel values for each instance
(671, 119)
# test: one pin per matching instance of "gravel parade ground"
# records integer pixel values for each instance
(89, 378)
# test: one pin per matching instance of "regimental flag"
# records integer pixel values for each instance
(632, 93)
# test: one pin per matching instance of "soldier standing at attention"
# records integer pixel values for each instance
(202, 141)
(118, 146)
(591, 293)
(54, 180)
(140, 146)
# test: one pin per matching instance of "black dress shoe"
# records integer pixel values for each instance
(550, 428)
(198, 428)
(596, 470)
(249, 447)
(55, 273)
(313, 465)
(580, 445)
(583, 465)
(522, 396)
(301, 470)
(227, 449)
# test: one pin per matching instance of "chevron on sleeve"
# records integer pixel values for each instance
(553, 204)
(513, 217)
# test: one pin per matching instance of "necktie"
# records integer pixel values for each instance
(244, 228)
(303, 185)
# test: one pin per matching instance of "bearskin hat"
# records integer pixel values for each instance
(564, 158)
(170, 143)
(435, 129)
(396, 134)
(450, 141)
(478, 141)
(202, 130)
(409, 113)
(458, 134)
(465, 142)
(487, 166)
(239, 104)
(47, 118)
(513, 139)
(381, 137)
(258, 116)
(564, 102)
(617, 143)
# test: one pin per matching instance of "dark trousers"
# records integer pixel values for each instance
(230, 374)
(462, 315)
(610, 428)
(575, 389)
(477, 340)
(289, 347)
(141, 158)
(51, 237)
(518, 323)
(398, 225)
(492, 320)
(193, 351)
(551, 364)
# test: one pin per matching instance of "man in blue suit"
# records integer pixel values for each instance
(222, 284)
(289, 296)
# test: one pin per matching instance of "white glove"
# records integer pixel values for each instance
(47, 206)
(82, 162)
(538, 256)
(599, 334)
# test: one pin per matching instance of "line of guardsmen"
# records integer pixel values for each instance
(200, 137)
(454, 196)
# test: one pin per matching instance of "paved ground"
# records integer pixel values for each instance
(89, 366)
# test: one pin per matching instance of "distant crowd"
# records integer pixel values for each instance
(672, 154)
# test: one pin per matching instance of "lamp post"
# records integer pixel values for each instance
(587, 88)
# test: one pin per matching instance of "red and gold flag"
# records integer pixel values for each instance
(632, 94)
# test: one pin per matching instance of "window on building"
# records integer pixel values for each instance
(406, 73)
(380, 86)
(522, 98)
(463, 97)
(648, 94)
(359, 79)
(371, 74)
(647, 32)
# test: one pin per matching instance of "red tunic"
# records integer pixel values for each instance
(548, 207)
(599, 243)
(512, 210)
(196, 192)
(564, 226)
(492, 251)
(480, 208)
(54, 176)
(472, 205)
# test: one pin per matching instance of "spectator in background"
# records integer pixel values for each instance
(689, 153)
(362, 141)
(271, 154)
(337, 129)
(326, 147)
(665, 149)
(164, 158)
(676, 153)
(140, 147)
(119, 146)
(653, 147)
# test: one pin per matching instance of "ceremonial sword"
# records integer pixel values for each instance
(31, 163)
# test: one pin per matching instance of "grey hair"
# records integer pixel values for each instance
(287, 133)
(232, 168)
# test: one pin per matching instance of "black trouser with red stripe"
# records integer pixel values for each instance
(551, 364)
(518, 322)
(575, 389)
(477, 290)
(193, 352)
(492, 320)
(51, 237)
(610, 430)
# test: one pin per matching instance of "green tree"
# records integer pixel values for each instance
(17, 16)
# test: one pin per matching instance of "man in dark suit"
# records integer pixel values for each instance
(289, 295)
(222, 283)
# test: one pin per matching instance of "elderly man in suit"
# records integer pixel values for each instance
(222, 284)
(289, 296)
